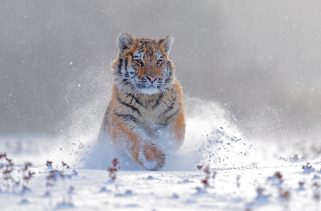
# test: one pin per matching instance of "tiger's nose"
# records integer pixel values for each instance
(151, 79)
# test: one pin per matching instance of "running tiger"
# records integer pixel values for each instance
(145, 116)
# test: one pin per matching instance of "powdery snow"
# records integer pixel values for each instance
(252, 188)
(243, 174)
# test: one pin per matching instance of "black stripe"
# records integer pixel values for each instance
(169, 117)
(128, 105)
(170, 107)
(134, 98)
(140, 51)
(127, 117)
(159, 99)
(120, 63)
(169, 65)
(126, 64)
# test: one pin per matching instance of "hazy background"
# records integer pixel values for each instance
(260, 60)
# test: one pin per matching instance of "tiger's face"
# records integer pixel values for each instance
(143, 65)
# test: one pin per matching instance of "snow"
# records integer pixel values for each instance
(258, 60)
(242, 174)
(169, 190)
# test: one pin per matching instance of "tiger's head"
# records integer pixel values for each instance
(143, 65)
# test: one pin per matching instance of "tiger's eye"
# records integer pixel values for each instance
(159, 61)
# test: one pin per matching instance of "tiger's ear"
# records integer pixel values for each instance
(125, 41)
(166, 43)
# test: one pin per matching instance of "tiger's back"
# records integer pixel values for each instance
(145, 116)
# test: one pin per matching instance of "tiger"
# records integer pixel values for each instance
(145, 116)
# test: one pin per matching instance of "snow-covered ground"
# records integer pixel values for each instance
(253, 188)
(216, 169)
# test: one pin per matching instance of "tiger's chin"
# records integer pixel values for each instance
(150, 90)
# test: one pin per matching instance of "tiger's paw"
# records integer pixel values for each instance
(151, 157)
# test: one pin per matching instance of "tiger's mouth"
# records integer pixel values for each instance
(149, 90)
(149, 87)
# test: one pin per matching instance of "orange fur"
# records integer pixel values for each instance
(134, 119)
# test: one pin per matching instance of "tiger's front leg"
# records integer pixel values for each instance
(150, 157)
(142, 150)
